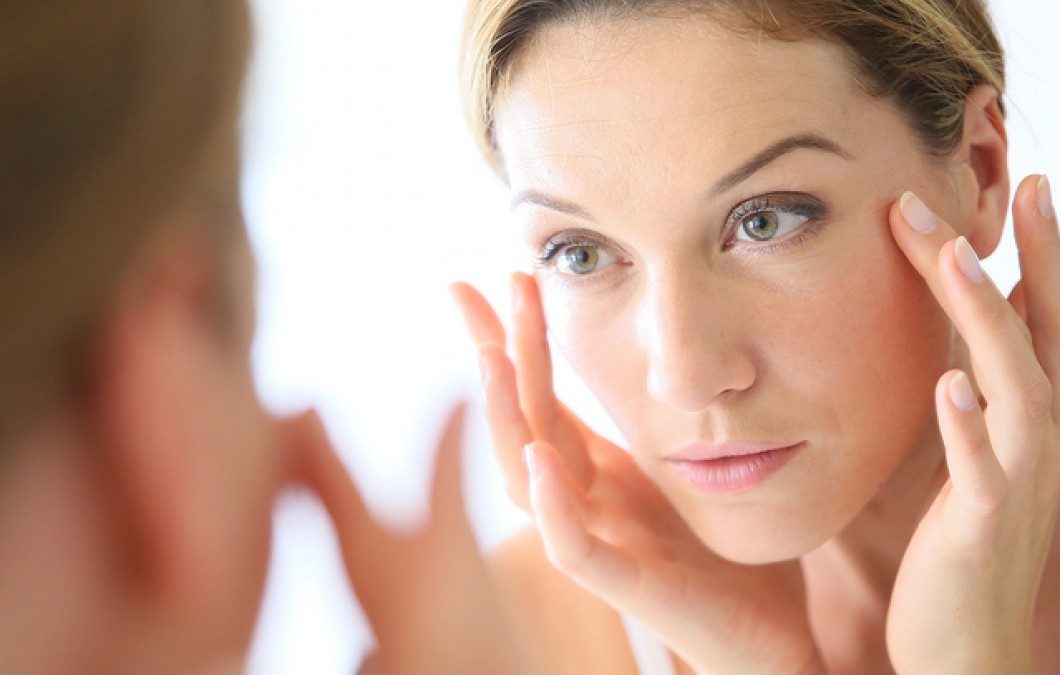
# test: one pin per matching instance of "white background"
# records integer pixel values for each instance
(365, 198)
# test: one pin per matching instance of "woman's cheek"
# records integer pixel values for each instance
(876, 342)
(593, 330)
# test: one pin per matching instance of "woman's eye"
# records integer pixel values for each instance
(582, 259)
(769, 224)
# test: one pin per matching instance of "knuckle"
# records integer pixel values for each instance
(1036, 399)
(991, 499)
(542, 418)
(997, 315)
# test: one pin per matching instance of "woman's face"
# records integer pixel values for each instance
(710, 217)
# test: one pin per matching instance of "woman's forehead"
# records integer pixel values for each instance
(629, 92)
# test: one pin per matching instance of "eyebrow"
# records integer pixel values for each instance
(729, 181)
(773, 153)
(541, 199)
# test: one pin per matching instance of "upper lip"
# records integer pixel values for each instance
(697, 452)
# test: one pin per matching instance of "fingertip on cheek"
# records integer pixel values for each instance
(916, 213)
(961, 393)
(967, 261)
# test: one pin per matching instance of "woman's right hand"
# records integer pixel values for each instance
(606, 525)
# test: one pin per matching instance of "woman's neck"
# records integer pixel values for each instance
(850, 577)
(870, 547)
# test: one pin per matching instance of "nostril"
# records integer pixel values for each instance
(691, 384)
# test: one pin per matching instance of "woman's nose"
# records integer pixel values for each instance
(696, 347)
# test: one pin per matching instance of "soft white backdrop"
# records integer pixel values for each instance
(365, 198)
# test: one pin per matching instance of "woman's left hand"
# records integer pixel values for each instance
(965, 595)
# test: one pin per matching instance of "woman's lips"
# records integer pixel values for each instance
(732, 468)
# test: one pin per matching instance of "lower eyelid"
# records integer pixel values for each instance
(808, 230)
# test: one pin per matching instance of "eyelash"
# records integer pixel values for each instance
(800, 205)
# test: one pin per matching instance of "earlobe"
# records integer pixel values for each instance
(984, 155)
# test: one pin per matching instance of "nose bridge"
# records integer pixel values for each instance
(695, 344)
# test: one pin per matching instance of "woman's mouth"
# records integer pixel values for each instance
(732, 468)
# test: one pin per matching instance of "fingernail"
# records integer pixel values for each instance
(968, 261)
(484, 368)
(961, 393)
(916, 213)
(533, 467)
(1045, 198)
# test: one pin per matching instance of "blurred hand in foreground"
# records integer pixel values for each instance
(428, 594)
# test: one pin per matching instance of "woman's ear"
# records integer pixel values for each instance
(983, 163)
(147, 400)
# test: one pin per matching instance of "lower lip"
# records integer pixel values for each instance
(733, 475)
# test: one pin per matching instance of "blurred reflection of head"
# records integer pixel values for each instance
(137, 468)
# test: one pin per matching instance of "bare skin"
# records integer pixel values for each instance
(609, 134)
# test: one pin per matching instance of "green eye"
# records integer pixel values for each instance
(762, 226)
(769, 224)
(582, 259)
(579, 259)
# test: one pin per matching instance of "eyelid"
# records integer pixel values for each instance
(807, 206)
(551, 245)
(785, 202)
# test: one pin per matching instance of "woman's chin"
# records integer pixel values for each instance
(759, 538)
(748, 552)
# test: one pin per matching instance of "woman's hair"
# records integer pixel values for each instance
(926, 55)
(113, 114)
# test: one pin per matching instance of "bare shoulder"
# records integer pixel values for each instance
(564, 628)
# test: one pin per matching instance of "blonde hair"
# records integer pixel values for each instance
(926, 55)
(113, 114)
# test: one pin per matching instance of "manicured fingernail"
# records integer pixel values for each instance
(968, 261)
(961, 393)
(1045, 198)
(533, 467)
(917, 214)
(484, 368)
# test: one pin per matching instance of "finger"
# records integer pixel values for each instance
(508, 428)
(1038, 241)
(1007, 369)
(599, 567)
(482, 322)
(533, 361)
(368, 550)
(1018, 299)
(916, 231)
(1006, 365)
(321, 470)
(447, 491)
(978, 480)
